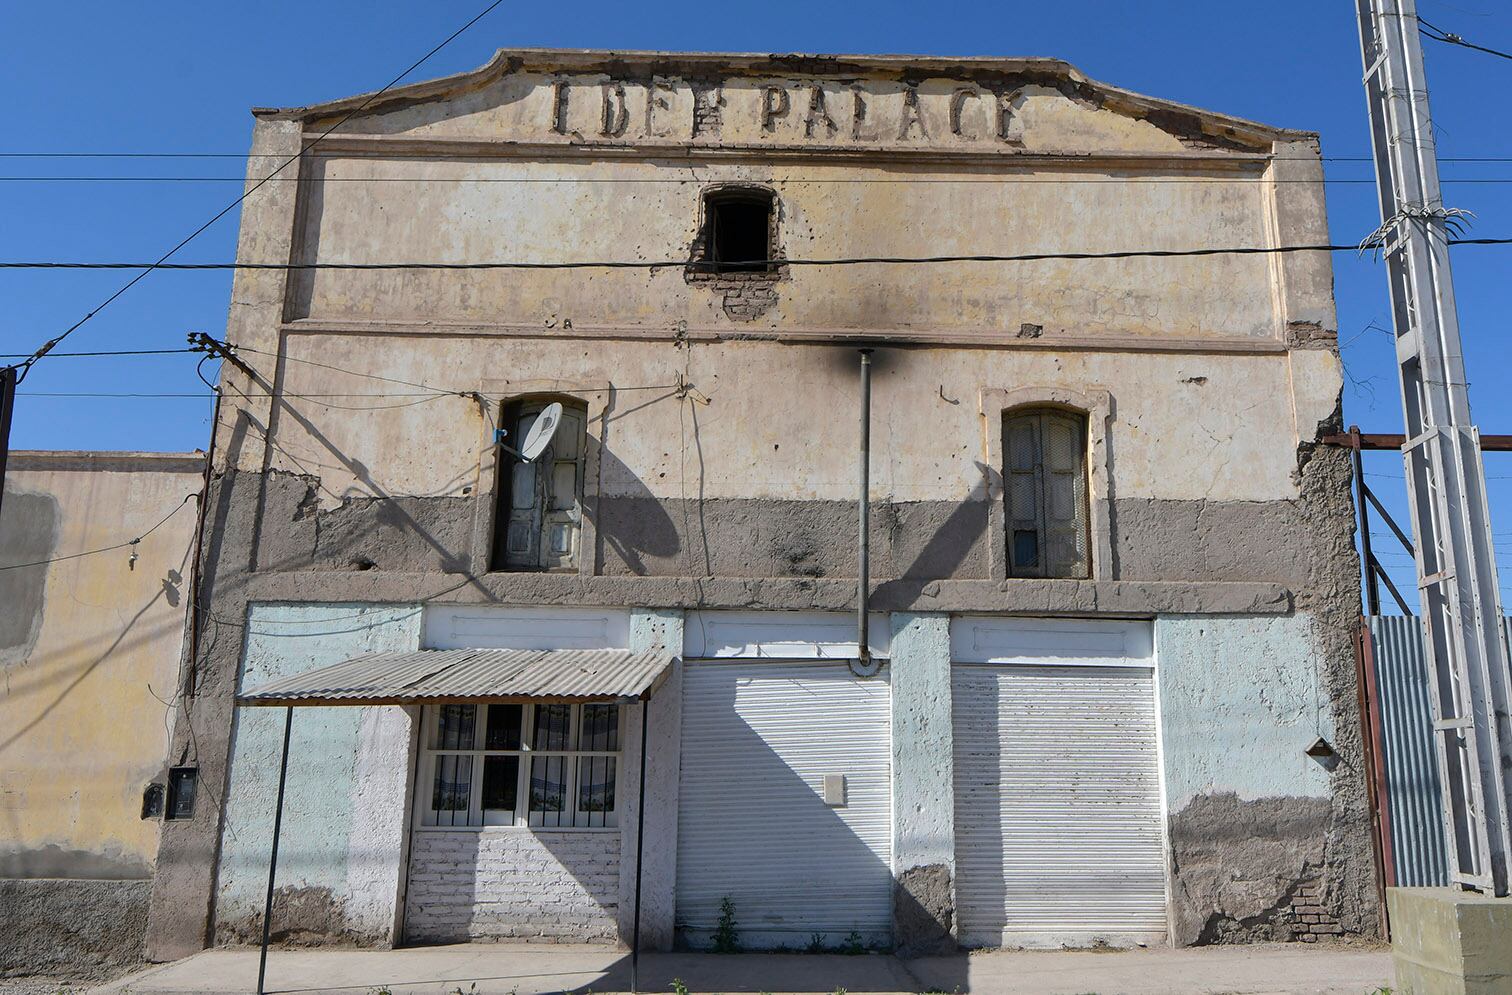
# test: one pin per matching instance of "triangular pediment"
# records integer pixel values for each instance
(876, 104)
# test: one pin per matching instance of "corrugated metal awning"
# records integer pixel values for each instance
(433, 676)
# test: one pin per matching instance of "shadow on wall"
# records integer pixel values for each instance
(801, 874)
(632, 523)
(1101, 880)
(409, 532)
(949, 546)
(21, 611)
(551, 885)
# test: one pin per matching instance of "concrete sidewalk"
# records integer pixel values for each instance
(1291, 969)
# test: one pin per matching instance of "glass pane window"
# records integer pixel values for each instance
(550, 766)
(548, 791)
(504, 727)
(596, 780)
(501, 789)
(553, 727)
(452, 795)
(600, 727)
(454, 728)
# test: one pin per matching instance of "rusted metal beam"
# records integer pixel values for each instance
(1488, 443)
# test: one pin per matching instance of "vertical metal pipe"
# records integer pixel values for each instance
(1374, 755)
(640, 849)
(283, 772)
(863, 648)
(7, 409)
(1372, 585)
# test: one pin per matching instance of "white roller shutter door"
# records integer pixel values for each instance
(758, 739)
(1058, 807)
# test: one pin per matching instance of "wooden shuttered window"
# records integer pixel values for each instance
(1045, 492)
(540, 507)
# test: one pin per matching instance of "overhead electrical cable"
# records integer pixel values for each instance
(105, 549)
(429, 394)
(839, 180)
(717, 267)
(51, 343)
(1449, 38)
(107, 352)
(322, 155)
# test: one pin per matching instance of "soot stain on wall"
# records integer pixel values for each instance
(28, 533)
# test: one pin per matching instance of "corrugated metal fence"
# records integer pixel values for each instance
(1412, 780)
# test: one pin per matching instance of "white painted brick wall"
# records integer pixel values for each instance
(513, 884)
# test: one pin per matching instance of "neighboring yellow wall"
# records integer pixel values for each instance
(90, 649)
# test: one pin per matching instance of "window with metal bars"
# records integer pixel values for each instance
(539, 517)
(1045, 493)
(550, 766)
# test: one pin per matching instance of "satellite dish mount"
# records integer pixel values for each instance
(542, 431)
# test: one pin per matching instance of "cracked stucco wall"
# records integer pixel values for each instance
(1268, 843)
(345, 801)
(1241, 700)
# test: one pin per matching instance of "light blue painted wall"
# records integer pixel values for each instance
(653, 629)
(1241, 698)
(348, 773)
(923, 758)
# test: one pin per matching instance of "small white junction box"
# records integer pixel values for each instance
(834, 790)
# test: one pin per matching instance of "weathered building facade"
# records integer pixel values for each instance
(1114, 584)
(90, 647)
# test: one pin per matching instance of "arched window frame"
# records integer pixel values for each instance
(501, 394)
(1096, 406)
(699, 269)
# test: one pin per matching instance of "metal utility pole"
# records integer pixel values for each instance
(1456, 567)
(863, 571)
(7, 409)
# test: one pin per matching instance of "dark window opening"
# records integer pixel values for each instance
(737, 236)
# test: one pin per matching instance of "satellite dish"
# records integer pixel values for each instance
(542, 431)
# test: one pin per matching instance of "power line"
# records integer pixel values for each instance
(429, 394)
(109, 352)
(324, 155)
(912, 181)
(712, 267)
(106, 549)
(1449, 38)
(48, 346)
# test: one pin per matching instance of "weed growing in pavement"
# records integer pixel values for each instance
(815, 943)
(679, 987)
(726, 936)
(852, 944)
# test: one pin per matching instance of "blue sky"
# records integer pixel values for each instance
(180, 77)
